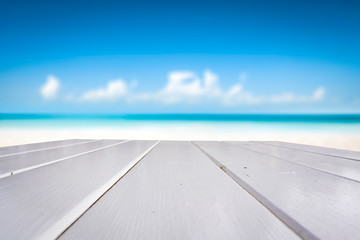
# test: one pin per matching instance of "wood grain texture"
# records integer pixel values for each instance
(326, 163)
(36, 146)
(353, 155)
(43, 202)
(176, 192)
(13, 164)
(315, 202)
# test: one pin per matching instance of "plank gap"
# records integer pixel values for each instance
(296, 227)
(149, 150)
(296, 163)
(304, 150)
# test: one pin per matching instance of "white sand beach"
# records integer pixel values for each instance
(342, 140)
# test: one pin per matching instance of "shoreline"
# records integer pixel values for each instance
(333, 139)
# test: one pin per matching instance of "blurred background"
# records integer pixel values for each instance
(212, 70)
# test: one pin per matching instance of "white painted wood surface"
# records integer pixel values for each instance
(37, 146)
(323, 150)
(314, 203)
(176, 192)
(206, 190)
(326, 163)
(43, 202)
(15, 163)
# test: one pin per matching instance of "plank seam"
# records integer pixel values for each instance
(55, 161)
(291, 223)
(42, 149)
(25, 144)
(106, 188)
(301, 150)
(299, 164)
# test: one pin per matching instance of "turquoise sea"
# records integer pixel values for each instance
(294, 122)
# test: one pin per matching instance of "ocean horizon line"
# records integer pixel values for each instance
(257, 117)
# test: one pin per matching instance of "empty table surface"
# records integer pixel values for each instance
(121, 189)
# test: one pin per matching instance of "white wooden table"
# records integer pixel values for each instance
(117, 189)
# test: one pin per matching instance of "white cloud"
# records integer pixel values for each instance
(114, 89)
(237, 95)
(188, 87)
(186, 83)
(319, 94)
(184, 86)
(50, 88)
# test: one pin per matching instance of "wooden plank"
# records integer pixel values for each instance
(43, 202)
(13, 164)
(176, 192)
(38, 146)
(310, 201)
(326, 163)
(352, 155)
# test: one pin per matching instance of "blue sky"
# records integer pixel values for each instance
(185, 56)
